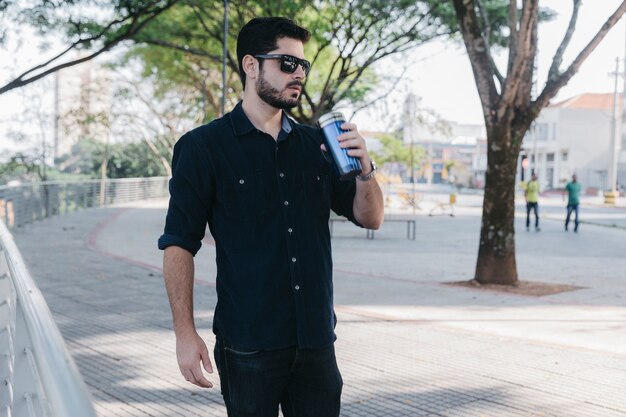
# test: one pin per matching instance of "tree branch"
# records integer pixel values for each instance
(523, 58)
(134, 27)
(558, 56)
(183, 48)
(554, 85)
(487, 38)
(478, 54)
(385, 95)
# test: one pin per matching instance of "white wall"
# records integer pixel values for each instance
(584, 134)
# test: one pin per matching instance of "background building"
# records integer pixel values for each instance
(456, 155)
(83, 100)
(573, 136)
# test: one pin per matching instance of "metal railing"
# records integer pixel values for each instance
(23, 204)
(37, 374)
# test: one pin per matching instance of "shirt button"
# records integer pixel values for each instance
(297, 287)
(293, 260)
(286, 203)
(290, 230)
(241, 181)
(282, 175)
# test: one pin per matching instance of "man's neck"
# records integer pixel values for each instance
(264, 117)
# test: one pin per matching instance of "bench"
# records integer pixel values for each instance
(410, 226)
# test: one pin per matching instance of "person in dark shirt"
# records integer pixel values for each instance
(262, 184)
(573, 201)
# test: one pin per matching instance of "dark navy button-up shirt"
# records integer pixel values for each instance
(267, 205)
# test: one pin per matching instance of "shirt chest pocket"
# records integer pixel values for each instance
(249, 196)
(317, 192)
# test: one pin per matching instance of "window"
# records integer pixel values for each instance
(550, 157)
(564, 156)
(550, 178)
(541, 131)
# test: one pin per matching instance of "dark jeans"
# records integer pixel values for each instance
(303, 382)
(570, 208)
(535, 208)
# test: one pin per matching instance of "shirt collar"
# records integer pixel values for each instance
(242, 125)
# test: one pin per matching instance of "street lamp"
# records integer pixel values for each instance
(224, 56)
(611, 194)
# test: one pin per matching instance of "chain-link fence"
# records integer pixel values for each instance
(26, 203)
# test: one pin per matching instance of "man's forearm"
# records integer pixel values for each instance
(178, 272)
(368, 204)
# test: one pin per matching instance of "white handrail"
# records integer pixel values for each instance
(63, 386)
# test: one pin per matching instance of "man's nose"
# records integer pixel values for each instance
(299, 73)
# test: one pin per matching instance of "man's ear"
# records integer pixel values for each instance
(250, 67)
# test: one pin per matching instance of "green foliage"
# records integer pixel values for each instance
(183, 46)
(123, 160)
(18, 168)
(91, 26)
(129, 160)
(393, 150)
(25, 168)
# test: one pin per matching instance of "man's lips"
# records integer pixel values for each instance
(297, 87)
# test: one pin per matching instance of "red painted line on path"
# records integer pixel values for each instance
(92, 244)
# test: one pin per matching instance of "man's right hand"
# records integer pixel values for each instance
(190, 351)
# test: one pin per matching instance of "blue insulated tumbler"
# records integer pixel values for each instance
(347, 166)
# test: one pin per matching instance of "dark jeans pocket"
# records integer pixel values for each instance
(242, 352)
(253, 381)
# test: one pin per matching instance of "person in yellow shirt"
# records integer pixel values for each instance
(531, 192)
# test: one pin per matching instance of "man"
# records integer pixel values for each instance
(261, 182)
(531, 192)
(573, 200)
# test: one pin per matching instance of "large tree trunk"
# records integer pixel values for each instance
(508, 109)
(496, 252)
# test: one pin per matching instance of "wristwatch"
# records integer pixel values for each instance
(371, 174)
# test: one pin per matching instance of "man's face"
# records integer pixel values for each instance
(534, 177)
(275, 87)
(574, 178)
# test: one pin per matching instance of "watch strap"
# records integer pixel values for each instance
(371, 174)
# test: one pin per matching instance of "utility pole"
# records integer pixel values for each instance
(622, 146)
(224, 56)
(611, 193)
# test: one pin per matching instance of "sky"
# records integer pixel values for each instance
(444, 81)
(441, 76)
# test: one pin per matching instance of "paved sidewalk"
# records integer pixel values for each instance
(408, 345)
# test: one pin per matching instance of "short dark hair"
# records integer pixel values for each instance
(260, 36)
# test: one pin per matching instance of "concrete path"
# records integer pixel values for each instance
(408, 345)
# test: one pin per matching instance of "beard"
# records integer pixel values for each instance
(273, 97)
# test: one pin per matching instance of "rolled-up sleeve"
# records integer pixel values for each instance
(191, 189)
(342, 198)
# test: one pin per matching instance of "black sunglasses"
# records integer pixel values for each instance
(288, 63)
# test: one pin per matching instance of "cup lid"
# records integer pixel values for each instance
(331, 117)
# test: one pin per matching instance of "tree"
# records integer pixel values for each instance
(31, 133)
(120, 160)
(128, 160)
(117, 21)
(393, 150)
(156, 119)
(348, 39)
(508, 110)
